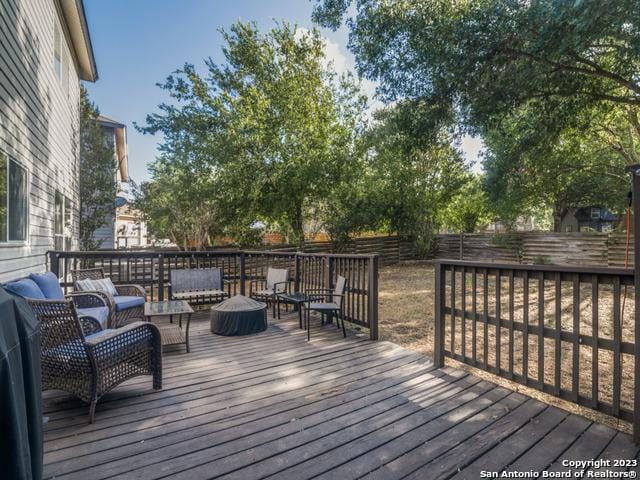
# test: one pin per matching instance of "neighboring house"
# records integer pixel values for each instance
(130, 230)
(594, 218)
(522, 224)
(122, 228)
(45, 50)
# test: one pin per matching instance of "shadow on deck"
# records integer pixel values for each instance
(273, 405)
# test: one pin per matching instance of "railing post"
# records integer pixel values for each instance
(329, 278)
(373, 297)
(438, 348)
(54, 263)
(160, 277)
(296, 278)
(243, 273)
(635, 171)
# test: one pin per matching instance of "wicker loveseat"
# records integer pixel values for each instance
(126, 305)
(93, 307)
(87, 361)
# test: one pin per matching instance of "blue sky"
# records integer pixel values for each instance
(138, 43)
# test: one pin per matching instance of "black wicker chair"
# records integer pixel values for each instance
(117, 316)
(79, 357)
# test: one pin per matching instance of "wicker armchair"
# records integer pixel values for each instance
(90, 365)
(118, 316)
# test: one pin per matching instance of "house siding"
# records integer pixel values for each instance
(39, 124)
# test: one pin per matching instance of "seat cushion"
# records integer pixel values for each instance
(197, 293)
(49, 284)
(266, 293)
(25, 288)
(125, 303)
(99, 313)
(323, 306)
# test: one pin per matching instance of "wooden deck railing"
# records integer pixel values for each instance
(307, 271)
(566, 331)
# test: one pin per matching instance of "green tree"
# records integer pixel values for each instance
(484, 58)
(274, 126)
(411, 179)
(468, 210)
(584, 166)
(98, 186)
(180, 203)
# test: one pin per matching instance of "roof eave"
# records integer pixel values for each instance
(76, 20)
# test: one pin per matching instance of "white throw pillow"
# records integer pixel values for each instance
(85, 285)
(101, 285)
(105, 285)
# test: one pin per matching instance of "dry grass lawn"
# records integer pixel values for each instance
(406, 302)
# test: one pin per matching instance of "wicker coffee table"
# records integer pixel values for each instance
(171, 334)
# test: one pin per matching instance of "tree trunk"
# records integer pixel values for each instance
(298, 227)
(559, 210)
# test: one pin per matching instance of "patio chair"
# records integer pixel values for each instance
(92, 306)
(277, 282)
(126, 303)
(81, 358)
(327, 302)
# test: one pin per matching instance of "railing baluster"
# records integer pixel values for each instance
(438, 347)
(558, 334)
(474, 312)
(485, 317)
(511, 320)
(463, 309)
(617, 339)
(525, 321)
(498, 318)
(595, 378)
(575, 381)
(541, 330)
(453, 310)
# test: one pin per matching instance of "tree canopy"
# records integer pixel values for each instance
(271, 131)
(551, 86)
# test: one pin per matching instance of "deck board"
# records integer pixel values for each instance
(273, 405)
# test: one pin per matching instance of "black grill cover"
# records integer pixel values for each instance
(20, 391)
(238, 315)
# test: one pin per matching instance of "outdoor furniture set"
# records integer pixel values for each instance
(89, 344)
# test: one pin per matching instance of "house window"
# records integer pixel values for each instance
(57, 51)
(595, 213)
(62, 222)
(13, 201)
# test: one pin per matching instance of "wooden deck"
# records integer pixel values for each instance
(274, 406)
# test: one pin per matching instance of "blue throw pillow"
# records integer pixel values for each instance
(25, 288)
(49, 285)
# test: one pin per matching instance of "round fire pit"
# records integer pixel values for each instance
(238, 315)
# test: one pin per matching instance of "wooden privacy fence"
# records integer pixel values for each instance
(597, 249)
(306, 271)
(566, 331)
(391, 249)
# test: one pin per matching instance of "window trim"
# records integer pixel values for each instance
(27, 238)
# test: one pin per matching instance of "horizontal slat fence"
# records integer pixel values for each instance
(566, 331)
(242, 271)
(391, 249)
(553, 248)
